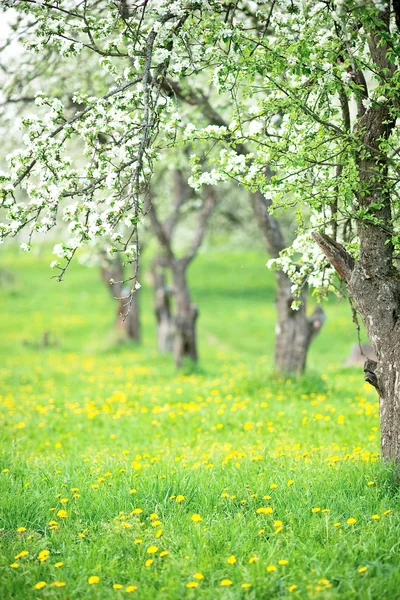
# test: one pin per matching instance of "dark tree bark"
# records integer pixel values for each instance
(373, 281)
(294, 330)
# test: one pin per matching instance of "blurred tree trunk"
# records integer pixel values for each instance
(127, 322)
(294, 330)
(162, 309)
(185, 317)
(185, 343)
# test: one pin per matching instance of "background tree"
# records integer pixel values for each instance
(185, 312)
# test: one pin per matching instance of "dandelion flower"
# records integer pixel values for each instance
(93, 579)
(192, 584)
(271, 568)
(375, 517)
(148, 562)
(283, 561)
(292, 587)
(180, 498)
(131, 588)
(62, 514)
(40, 585)
(152, 550)
(316, 509)
(245, 586)
(58, 584)
(226, 582)
(232, 560)
(21, 529)
(198, 576)
(58, 565)
(43, 555)
(22, 554)
(196, 518)
(362, 569)
(117, 586)
(14, 565)
(351, 521)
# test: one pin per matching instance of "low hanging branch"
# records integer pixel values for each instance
(341, 260)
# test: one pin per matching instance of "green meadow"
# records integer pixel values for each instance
(122, 477)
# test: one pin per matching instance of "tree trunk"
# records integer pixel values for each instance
(185, 343)
(294, 331)
(162, 309)
(128, 319)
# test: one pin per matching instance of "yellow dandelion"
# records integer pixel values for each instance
(292, 587)
(231, 560)
(148, 562)
(131, 588)
(164, 553)
(21, 529)
(14, 565)
(152, 550)
(253, 559)
(290, 482)
(58, 584)
(265, 510)
(180, 498)
(271, 568)
(159, 533)
(62, 514)
(278, 523)
(192, 584)
(136, 511)
(40, 585)
(196, 518)
(316, 509)
(138, 542)
(375, 517)
(351, 521)
(21, 554)
(93, 579)
(43, 555)
(58, 565)
(117, 586)
(246, 586)
(198, 576)
(362, 569)
(283, 561)
(226, 582)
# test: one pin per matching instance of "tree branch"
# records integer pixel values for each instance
(204, 216)
(338, 257)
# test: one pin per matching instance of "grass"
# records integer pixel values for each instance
(131, 450)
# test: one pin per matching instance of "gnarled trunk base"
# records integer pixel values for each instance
(294, 330)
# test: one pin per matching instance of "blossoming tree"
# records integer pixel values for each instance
(314, 92)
